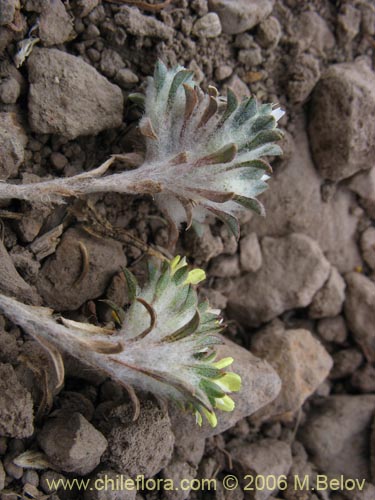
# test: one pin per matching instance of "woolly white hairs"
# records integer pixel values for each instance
(203, 155)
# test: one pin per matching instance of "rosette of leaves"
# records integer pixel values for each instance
(203, 154)
(164, 344)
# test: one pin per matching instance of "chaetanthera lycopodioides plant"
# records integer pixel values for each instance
(165, 343)
(204, 154)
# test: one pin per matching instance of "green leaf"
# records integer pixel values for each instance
(207, 371)
(178, 80)
(229, 220)
(160, 74)
(250, 203)
(131, 282)
(185, 330)
(264, 137)
(264, 122)
(211, 389)
(163, 282)
(137, 98)
(180, 275)
(232, 104)
(247, 110)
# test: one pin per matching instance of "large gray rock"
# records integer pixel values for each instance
(294, 204)
(237, 16)
(141, 447)
(12, 145)
(59, 281)
(260, 386)
(69, 97)
(7, 11)
(360, 312)
(266, 458)
(368, 246)
(341, 127)
(293, 270)
(71, 443)
(337, 434)
(301, 362)
(329, 300)
(16, 406)
(363, 184)
(139, 24)
(55, 24)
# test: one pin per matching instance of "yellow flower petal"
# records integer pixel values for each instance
(195, 276)
(198, 418)
(230, 382)
(223, 363)
(211, 417)
(225, 403)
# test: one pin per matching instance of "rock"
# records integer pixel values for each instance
(294, 204)
(250, 253)
(110, 62)
(69, 97)
(84, 7)
(178, 471)
(348, 23)
(301, 362)
(329, 300)
(16, 406)
(364, 379)
(304, 75)
(337, 429)
(59, 280)
(138, 24)
(126, 78)
(75, 402)
(12, 145)
(345, 362)
(225, 266)
(266, 457)
(204, 247)
(208, 26)
(143, 447)
(71, 443)
(114, 487)
(7, 11)
(223, 72)
(237, 16)
(8, 347)
(10, 90)
(48, 478)
(269, 33)
(58, 161)
(311, 33)
(55, 24)
(260, 386)
(341, 125)
(2, 476)
(239, 87)
(333, 329)
(360, 312)
(250, 57)
(363, 184)
(261, 296)
(368, 246)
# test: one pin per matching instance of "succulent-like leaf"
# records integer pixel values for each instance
(165, 343)
(196, 151)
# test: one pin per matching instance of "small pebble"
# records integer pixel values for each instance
(126, 78)
(9, 91)
(58, 161)
(223, 72)
(208, 26)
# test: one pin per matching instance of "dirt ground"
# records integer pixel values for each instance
(297, 290)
